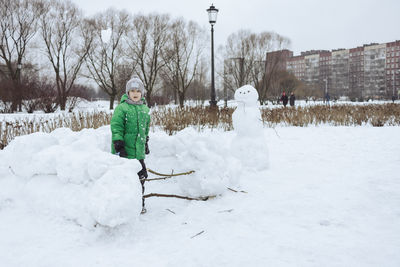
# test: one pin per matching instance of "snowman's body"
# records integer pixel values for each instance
(247, 116)
(249, 144)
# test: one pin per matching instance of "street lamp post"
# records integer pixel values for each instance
(212, 18)
(225, 85)
(19, 94)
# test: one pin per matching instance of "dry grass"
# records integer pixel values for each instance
(74, 121)
(338, 115)
(172, 120)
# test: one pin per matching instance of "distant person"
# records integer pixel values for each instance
(284, 99)
(393, 98)
(327, 98)
(292, 99)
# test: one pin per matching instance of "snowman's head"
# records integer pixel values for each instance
(247, 94)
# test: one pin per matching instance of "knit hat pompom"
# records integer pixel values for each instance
(135, 84)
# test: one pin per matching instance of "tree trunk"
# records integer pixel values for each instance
(16, 96)
(148, 100)
(19, 96)
(181, 99)
(112, 99)
(14, 104)
(176, 97)
(63, 101)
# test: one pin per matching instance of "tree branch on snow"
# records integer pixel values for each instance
(233, 190)
(198, 234)
(168, 175)
(178, 196)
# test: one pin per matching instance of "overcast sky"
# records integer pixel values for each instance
(309, 24)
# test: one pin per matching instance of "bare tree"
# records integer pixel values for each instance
(245, 59)
(286, 81)
(48, 95)
(198, 89)
(105, 60)
(238, 59)
(146, 41)
(182, 56)
(18, 24)
(67, 41)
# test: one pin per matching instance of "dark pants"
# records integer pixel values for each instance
(142, 177)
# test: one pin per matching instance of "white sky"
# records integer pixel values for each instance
(310, 24)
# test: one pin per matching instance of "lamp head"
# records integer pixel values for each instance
(212, 14)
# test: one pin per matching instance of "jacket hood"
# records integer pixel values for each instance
(124, 97)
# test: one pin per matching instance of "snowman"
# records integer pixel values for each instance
(249, 145)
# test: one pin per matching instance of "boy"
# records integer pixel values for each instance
(130, 127)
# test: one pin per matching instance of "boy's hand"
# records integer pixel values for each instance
(120, 148)
(147, 150)
(142, 174)
(122, 153)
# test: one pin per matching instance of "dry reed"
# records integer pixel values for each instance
(172, 120)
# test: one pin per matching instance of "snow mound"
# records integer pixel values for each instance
(73, 175)
(114, 197)
(207, 153)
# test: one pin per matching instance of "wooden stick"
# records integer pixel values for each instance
(172, 174)
(225, 211)
(11, 170)
(171, 211)
(198, 234)
(158, 178)
(177, 196)
(233, 190)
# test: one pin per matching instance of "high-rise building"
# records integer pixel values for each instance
(325, 69)
(296, 66)
(356, 72)
(311, 69)
(277, 60)
(393, 68)
(368, 71)
(374, 70)
(339, 73)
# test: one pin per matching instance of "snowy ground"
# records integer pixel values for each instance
(331, 197)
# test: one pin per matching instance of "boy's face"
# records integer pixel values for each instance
(135, 95)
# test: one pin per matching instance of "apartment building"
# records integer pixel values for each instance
(368, 71)
(374, 70)
(311, 69)
(393, 68)
(325, 69)
(277, 60)
(296, 65)
(339, 73)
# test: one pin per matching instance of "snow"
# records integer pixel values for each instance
(249, 145)
(330, 197)
(74, 176)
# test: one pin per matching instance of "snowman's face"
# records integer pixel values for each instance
(247, 94)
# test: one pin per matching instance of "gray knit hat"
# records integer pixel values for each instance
(135, 83)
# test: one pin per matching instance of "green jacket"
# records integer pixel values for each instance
(130, 123)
